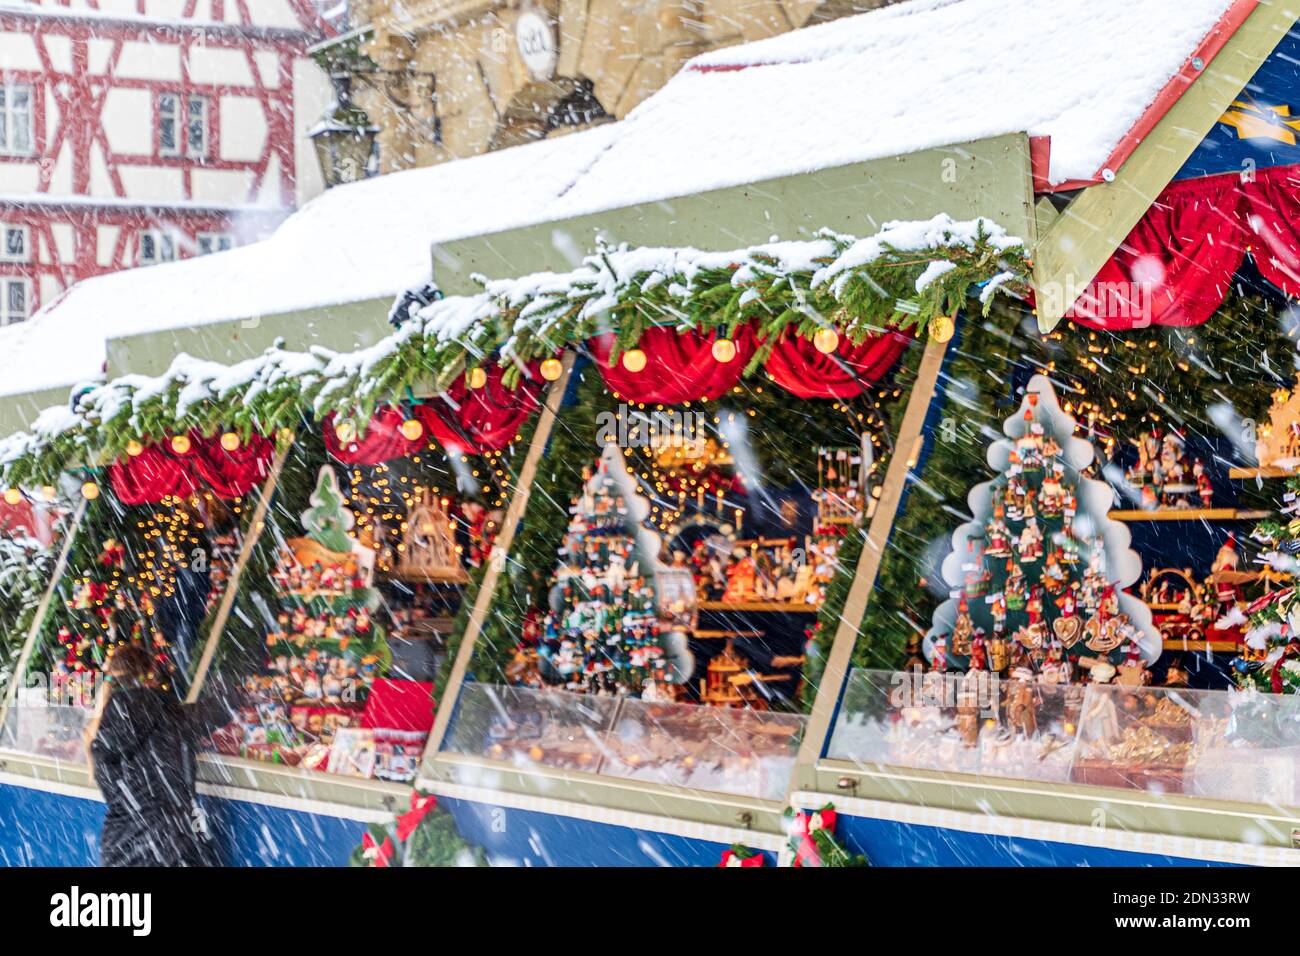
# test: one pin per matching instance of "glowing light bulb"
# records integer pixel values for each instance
(13, 496)
(180, 444)
(345, 432)
(476, 377)
(230, 441)
(724, 350)
(634, 360)
(826, 341)
(90, 491)
(412, 429)
(551, 369)
(134, 448)
(941, 328)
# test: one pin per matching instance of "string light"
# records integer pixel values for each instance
(476, 377)
(180, 444)
(724, 350)
(634, 360)
(411, 429)
(551, 369)
(134, 448)
(90, 491)
(941, 328)
(230, 441)
(826, 341)
(13, 496)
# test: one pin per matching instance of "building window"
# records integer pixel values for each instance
(169, 141)
(16, 138)
(196, 129)
(214, 242)
(15, 243)
(155, 245)
(182, 133)
(15, 301)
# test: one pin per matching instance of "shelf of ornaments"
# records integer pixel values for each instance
(761, 607)
(1264, 471)
(1188, 514)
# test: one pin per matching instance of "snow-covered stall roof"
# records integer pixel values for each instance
(897, 80)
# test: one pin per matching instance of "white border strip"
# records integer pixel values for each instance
(62, 788)
(712, 832)
(298, 804)
(1160, 844)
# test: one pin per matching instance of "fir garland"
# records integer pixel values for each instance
(859, 286)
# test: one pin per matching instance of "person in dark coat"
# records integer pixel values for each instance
(142, 745)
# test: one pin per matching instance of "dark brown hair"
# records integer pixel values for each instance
(130, 665)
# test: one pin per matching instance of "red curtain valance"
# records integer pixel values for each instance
(465, 421)
(797, 366)
(159, 471)
(1175, 266)
(680, 366)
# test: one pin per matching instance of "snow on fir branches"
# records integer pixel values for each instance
(904, 276)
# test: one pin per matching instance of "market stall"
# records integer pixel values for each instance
(647, 545)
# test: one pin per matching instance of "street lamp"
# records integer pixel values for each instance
(344, 138)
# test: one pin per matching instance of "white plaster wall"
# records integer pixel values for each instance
(149, 61)
(312, 94)
(220, 185)
(97, 53)
(105, 242)
(18, 52)
(128, 121)
(214, 64)
(59, 50)
(243, 128)
(50, 289)
(19, 177)
(64, 240)
(152, 183)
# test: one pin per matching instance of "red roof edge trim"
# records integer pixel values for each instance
(1178, 84)
(1040, 160)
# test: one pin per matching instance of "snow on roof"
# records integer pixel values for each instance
(896, 80)
(369, 240)
(905, 78)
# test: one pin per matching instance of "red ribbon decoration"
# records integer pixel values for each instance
(422, 805)
(159, 471)
(680, 366)
(1174, 267)
(798, 367)
(378, 854)
(1189, 244)
(467, 421)
(1272, 210)
(805, 825)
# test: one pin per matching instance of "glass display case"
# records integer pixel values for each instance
(719, 750)
(340, 624)
(1226, 745)
(658, 608)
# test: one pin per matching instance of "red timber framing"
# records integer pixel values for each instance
(79, 177)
